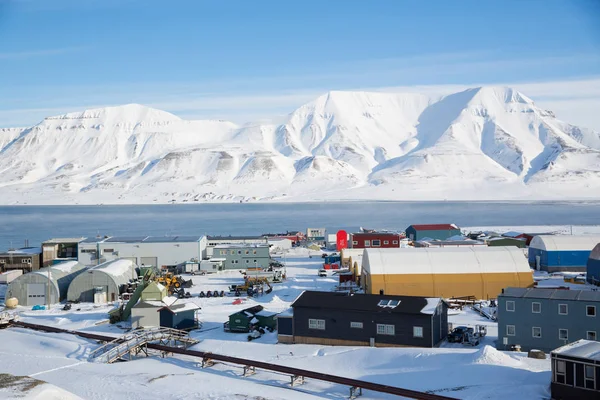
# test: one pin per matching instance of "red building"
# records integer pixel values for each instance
(294, 236)
(375, 239)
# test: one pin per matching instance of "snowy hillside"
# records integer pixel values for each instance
(482, 143)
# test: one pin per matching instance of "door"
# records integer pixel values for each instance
(36, 294)
(149, 261)
(537, 262)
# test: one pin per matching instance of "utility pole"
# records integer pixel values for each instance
(48, 288)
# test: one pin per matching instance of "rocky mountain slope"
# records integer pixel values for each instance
(482, 143)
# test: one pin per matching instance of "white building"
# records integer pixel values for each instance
(157, 251)
(278, 245)
(213, 241)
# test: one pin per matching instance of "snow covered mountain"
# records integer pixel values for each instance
(482, 143)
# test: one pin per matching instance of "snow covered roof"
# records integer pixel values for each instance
(432, 303)
(181, 307)
(445, 260)
(433, 227)
(120, 270)
(364, 302)
(265, 313)
(587, 349)
(240, 246)
(286, 314)
(565, 242)
(556, 294)
(169, 300)
(64, 240)
(26, 250)
(512, 234)
(157, 285)
(595, 254)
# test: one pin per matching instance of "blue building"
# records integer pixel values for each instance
(593, 266)
(432, 231)
(554, 253)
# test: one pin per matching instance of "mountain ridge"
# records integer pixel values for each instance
(486, 143)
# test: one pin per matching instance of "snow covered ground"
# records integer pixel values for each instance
(479, 372)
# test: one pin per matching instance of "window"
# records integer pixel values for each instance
(108, 251)
(561, 370)
(247, 261)
(510, 305)
(367, 243)
(239, 252)
(2, 261)
(386, 242)
(388, 303)
(376, 243)
(563, 334)
(536, 308)
(418, 331)
(316, 324)
(223, 252)
(536, 332)
(590, 311)
(254, 261)
(383, 329)
(510, 330)
(591, 335)
(354, 242)
(232, 252)
(247, 251)
(589, 376)
(357, 325)
(563, 309)
(395, 242)
(253, 251)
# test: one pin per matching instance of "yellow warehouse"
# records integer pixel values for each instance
(445, 271)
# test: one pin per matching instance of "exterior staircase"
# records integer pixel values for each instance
(128, 346)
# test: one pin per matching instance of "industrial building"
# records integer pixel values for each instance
(352, 259)
(213, 241)
(576, 371)
(444, 271)
(330, 318)
(103, 283)
(278, 245)
(593, 266)
(545, 319)
(158, 251)
(60, 249)
(317, 235)
(449, 243)
(554, 253)
(432, 231)
(243, 256)
(295, 236)
(27, 259)
(365, 240)
(34, 288)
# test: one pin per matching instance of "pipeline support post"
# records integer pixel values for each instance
(355, 392)
(296, 380)
(207, 362)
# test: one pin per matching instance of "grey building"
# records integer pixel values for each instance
(34, 288)
(545, 319)
(243, 256)
(158, 251)
(156, 313)
(103, 283)
(576, 371)
(330, 318)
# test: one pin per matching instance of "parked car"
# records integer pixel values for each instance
(458, 333)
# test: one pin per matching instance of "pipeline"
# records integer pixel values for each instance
(376, 387)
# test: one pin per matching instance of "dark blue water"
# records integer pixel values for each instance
(38, 223)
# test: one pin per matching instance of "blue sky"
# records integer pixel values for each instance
(242, 60)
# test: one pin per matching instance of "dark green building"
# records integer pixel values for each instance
(506, 241)
(432, 231)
